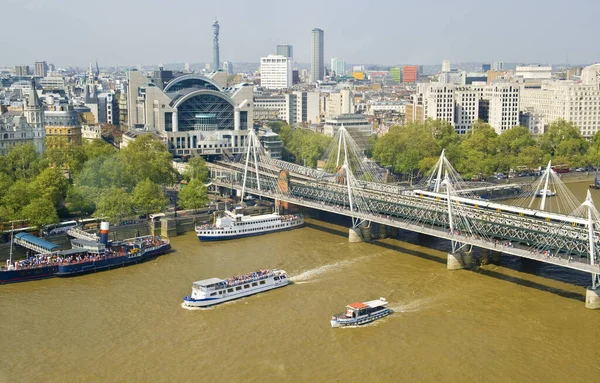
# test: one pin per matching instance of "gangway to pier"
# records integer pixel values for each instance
(78, 233)
(31, 242)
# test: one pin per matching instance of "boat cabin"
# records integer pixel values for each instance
(358, 309)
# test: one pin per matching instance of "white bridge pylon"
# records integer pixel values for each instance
(349, 178)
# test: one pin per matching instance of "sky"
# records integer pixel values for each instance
(385, 32)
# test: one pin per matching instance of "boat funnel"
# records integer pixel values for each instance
(104, 232)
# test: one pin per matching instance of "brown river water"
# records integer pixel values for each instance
(514, 322)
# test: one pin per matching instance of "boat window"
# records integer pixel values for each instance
(238, 288)
(213, 294)
(246, 286)
(229, 290)
(221, 292)
(262, 282)
(255, 284)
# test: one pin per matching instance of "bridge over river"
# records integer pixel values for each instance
(442, 207)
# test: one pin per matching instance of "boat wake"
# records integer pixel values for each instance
(412, 306)
(310, 275)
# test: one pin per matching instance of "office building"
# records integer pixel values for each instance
(275, 72)
(357, 125)
(193, 114)
(317, 49)
(410, 73)
(339, 103)
(497, 65)
(571, 101)
(285, 50)
(108, 112)
(41, 69)
(486, 67)
(302, 107)
(338, 66)
(503, 105)
(63, 128)
(396, 74)
(22, 70)
(216, 62)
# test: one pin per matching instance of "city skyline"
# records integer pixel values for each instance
(462, 31)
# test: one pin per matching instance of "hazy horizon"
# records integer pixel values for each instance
(117, 33)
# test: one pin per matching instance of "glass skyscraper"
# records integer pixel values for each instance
(317, 65)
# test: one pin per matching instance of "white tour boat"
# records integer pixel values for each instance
(359, 313)
(213, 291)
(547, 192)
(235, 225)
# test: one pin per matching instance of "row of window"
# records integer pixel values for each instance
(237, 288)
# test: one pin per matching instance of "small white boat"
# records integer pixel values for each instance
(212, 291)
(547, 192)
(360, 313)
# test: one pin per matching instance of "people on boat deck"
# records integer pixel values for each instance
(258, 274)
(49, 259)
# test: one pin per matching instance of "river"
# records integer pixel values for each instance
(514, 322)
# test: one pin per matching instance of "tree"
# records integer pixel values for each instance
(194, 195)
(146, 157)
(18, 196)
(196, 168)
(5, 183)
(80, 200)
(40, 211)
(51, 184)
(23, 162)
(563, 139)
(114, 204)
(148, 197)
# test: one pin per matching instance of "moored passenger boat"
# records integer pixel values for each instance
(235, 225)
(212, 291)
(360, 313)
(85, 257)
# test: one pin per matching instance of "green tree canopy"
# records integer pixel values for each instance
(39, 212)
(114, 204)
(148, 197)
(147, 157)
(194, 195)
(196, 168)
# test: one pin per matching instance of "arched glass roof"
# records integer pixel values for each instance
(191, 81)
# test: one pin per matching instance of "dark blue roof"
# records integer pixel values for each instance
(37, 241)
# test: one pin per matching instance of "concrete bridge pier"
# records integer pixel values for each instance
(460, 260)
(168, 227)
(484, 256)
(496, 255)
(592, 298)
(359, 234)
(383, 231)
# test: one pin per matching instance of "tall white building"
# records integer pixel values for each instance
(438, 101)
(503, 105)
(467, 99)
(338, 66)
(317, 58)
(276, 72)
(302, 107)
(578, 103)
(339, 103)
